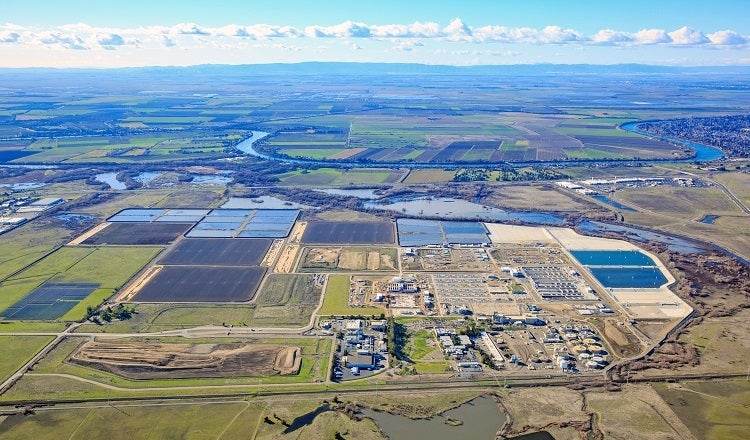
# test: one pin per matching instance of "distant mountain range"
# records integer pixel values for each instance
(334, 68)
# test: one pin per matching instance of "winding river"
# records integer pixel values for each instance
(702, 153)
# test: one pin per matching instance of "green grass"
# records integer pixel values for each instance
(110, 267)
(335, 301)
(196, 421)
(26, 244)
(413, 155)
(431, 367)
(311, 153)
(31, 327)
(168, 119)
(315, 352)
(592, 153)
(711, 410)
(286, 300)
(17, 350)
(321, 176)
(420, 346)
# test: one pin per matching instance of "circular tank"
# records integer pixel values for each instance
(579, 348)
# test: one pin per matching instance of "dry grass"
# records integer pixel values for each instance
(636, 412)
(531, 197)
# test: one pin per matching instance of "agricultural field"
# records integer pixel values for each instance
(423, 137)
(225, 421)
(18, 350)
(340, 177)
(26, 244)
(681, 210)
(348, 233)
(103, 269)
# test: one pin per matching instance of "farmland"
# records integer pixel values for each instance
(107, 268)
(170, 293)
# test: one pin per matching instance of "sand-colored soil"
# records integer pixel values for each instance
(135, 286)
(517, 234)
(86, 235)
(272, 253)
(286, 260)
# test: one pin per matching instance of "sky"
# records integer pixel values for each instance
(107, 33)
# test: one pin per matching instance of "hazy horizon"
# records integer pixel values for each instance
(38, 33)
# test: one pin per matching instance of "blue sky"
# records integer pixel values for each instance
(105, 33)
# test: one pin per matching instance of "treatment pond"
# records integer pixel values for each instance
(622, 269)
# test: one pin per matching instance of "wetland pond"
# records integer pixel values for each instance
(111, 180)
(479, 419)
(461, 209)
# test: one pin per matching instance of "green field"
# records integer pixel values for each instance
(17, 350)
(592, 153)
(110, 267)
(46, 380)
(711, 410)
(335, 301)
(28, 243)
(132, 149)
(316, 153)
(199, 420)
(340, 177)
(286, 300)
(431, 367)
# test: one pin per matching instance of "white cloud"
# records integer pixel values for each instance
(110, 40)
(651, 36)
(404, 37)
(408, 46)
(457, 30)
(9, 37)
(66, 41)
(190, 29)
(686, 36)
(728, 38)
(612, 37)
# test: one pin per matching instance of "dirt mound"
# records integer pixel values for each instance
(288, 360)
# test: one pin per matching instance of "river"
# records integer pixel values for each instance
(703, 153)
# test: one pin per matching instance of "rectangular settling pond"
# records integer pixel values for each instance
(622, 269)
